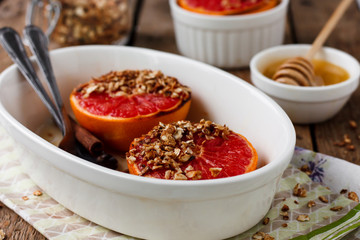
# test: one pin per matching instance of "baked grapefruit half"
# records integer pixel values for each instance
(227, 7)
(122, 105)
(191, 151)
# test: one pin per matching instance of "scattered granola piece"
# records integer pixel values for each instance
(306, 169)
(25, 198)
(284, 225)
(311, 204)
(262, 236)
(350, 147)
(353, 124)
(266, 221)
(303, 218)
(2, 234)
(343, 191)
(347, 139)
(323, 199)
(285, 208)
(285, 215)
(37, 193)
(296, 202)
(339, 144)
(336, 208)
(353, 196)
(299, 191)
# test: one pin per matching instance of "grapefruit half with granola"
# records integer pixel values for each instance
(191, 151)
(122, 105)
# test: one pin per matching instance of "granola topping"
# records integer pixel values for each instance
(128, 82)
(170, 146)
(92, 22)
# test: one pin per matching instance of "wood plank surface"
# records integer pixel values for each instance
(346, 37)
(155, 31)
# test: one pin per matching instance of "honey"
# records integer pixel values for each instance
(330, 73)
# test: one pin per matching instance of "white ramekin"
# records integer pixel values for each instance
(227, 41)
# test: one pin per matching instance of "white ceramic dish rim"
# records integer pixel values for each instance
(125, 178)
(229, 18)
(303, 89)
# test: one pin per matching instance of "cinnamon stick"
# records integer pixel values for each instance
(94, 147)
(89, 141)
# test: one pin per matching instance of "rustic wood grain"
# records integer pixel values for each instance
(346, 37)
(155, 31)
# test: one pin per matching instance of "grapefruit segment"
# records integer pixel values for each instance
(191, 151)
(227, 7)
(120, 106)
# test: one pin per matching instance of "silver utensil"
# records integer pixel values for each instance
(37, 41)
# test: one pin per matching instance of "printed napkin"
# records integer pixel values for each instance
(331, 215)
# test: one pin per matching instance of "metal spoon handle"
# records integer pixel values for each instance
(38, 44)
(11, 42)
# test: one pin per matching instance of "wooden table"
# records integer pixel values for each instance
(155, 31)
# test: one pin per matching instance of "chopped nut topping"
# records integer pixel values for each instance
(215, 171)
(25, 198)
(266, 221)
(323, 199)
(285, 208)
(128, 82)
(303, 218)
(2, 234)
(284, 225)
(296, 202)
(353, 196)
(299, 191)
(163, 147)
(311, 204)
(37, 193)
(196, 175)
(353, 124)
(336, 208)
(262, 236)
(180, 176)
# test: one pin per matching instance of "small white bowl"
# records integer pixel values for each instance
(227, 41)
(306, 105)
(143, 207)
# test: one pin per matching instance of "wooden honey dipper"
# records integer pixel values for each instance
(299, 71)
